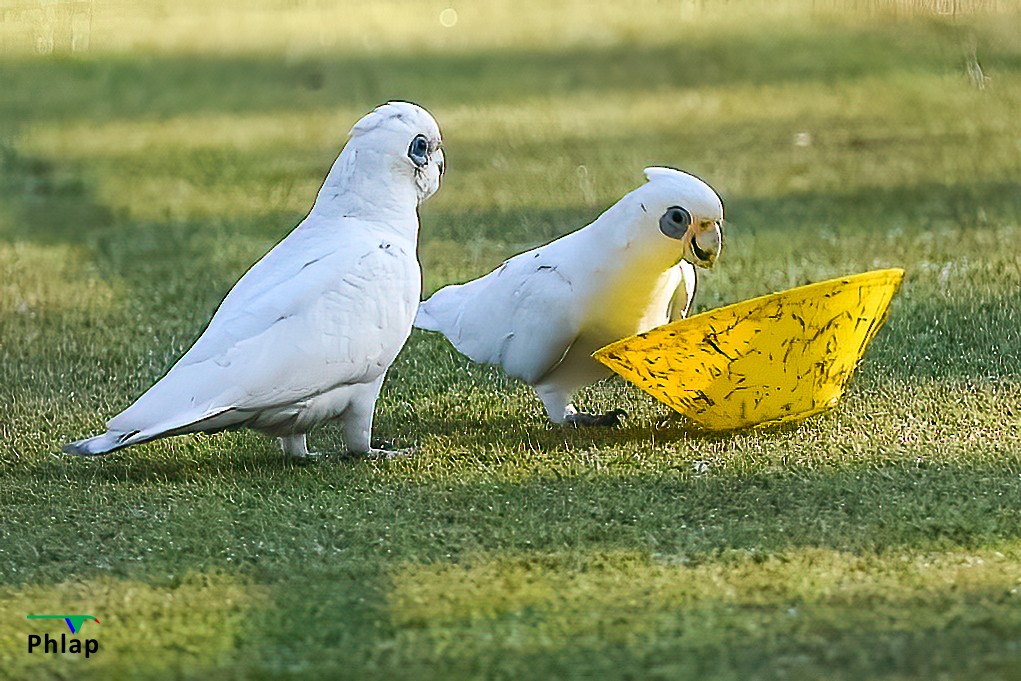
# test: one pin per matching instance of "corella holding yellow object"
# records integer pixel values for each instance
(541, 314)
(764, 361)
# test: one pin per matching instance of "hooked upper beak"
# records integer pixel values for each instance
(705, 243)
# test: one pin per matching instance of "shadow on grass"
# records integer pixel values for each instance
(887, 211)
(974, 338)
(260, 512)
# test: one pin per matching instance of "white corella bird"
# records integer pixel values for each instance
(308, 333)
(541, 314)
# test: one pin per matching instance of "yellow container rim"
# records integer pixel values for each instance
(881, 277)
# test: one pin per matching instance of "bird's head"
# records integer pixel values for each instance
(409, 138)
(685, 209)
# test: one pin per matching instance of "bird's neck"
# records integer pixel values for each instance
(624, 232)
(363, 183)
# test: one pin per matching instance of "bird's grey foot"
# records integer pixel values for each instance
(610, 419)
(379, 454)
(381, 450)
(296, 447)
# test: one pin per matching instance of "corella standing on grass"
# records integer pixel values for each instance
(308, 333)
(541, 314)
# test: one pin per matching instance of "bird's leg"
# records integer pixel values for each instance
(561, 411)
(610, 419)
(356, 422)
(296, 446)
(555, 400)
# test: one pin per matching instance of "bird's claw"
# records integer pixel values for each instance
(610, 419)
(375, 454)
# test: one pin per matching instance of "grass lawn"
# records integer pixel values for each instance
(150, 152)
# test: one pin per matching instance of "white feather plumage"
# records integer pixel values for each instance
(542, 313)
(308, 333)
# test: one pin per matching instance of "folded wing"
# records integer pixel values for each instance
(518, 316)
(297, 328)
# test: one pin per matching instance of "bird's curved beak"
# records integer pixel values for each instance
(705, 242)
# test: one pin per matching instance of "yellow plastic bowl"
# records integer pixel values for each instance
(768, 360)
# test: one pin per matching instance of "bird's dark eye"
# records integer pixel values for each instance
(675, 222)
(679, 216)
(418, 152)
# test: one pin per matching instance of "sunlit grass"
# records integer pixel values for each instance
(175, 625)
(536, 603)
(295, 29)
(783, 610)
(38, 280)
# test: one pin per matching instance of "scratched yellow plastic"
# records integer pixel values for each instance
(761, 362)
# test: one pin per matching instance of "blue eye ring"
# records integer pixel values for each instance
(675, 222)
(418, 151)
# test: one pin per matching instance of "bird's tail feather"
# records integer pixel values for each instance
(109, 441)
(441, 311)
(112, 440)
(424, 320)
